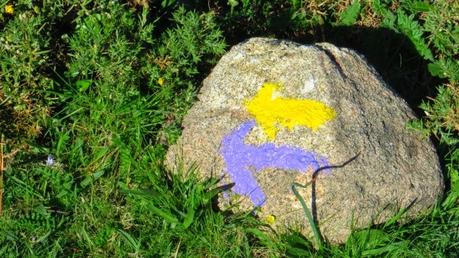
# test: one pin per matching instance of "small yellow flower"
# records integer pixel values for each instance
(9, 9)
(270, 219)
(161, 81)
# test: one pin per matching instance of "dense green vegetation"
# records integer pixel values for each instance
(93, 92)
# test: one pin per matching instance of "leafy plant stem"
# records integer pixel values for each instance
(307, 212)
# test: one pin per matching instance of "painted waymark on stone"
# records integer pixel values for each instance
(240, 158)
(270, 111)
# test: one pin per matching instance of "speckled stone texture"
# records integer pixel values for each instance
(388, 166)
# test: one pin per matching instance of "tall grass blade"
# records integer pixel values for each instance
(307, 212)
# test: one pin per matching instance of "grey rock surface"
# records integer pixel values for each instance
(378, 166)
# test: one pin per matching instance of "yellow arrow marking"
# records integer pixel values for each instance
(270, 111)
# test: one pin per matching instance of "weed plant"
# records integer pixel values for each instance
(93, 92)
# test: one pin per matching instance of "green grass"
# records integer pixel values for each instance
(101, 87)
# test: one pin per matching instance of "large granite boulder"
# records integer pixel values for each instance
(274, 112)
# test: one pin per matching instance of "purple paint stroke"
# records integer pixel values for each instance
(240, 157)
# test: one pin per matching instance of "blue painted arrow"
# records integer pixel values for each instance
(240, 157)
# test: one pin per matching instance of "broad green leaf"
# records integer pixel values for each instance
(132, 242)
(189, 217)
(163, 214)
(436, 69)
(83, 85)
(350, 15)
(86, 181)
